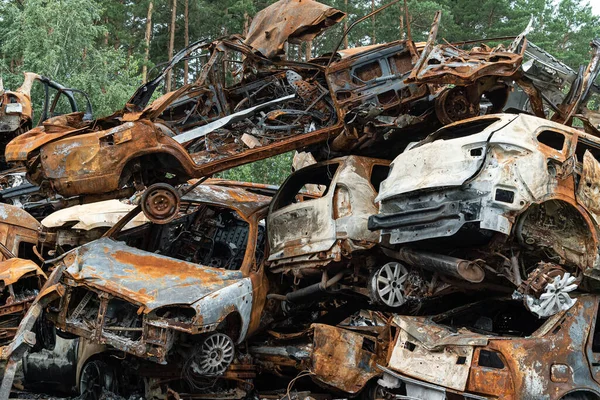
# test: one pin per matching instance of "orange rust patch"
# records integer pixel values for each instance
(155, 267)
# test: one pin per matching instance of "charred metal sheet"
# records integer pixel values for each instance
(102, 214)
(147, 279)
(447, 64)
(547, 360)
(12, 270)
(342, 359)
(240, 198)
(345, 360)
(15, 216)
(291, 21)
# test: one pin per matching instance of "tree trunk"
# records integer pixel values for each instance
(187, 41)
(308, 50)
(401, 22)
(171, 42)
(246, 23)
(373, 18)
(106, 34)
(147, 41)
(346, 24)
(407, 17)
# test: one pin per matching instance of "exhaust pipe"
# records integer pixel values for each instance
(309, 291)
(463, 269)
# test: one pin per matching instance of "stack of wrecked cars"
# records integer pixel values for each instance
(437, 238)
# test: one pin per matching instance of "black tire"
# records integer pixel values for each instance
(45, 334)
(65, 335)
(96, 377)
(373, 391)
(580, 396)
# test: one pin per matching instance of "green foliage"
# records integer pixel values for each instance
(272, 170)
(98, 45)
(53, 40)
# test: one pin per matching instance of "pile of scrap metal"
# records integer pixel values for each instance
(249, 103)
(462, 262)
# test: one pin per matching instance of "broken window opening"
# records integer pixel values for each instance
(367, 72)
(552, 139)
(213, 236)
(497, 317)
(584, 144)
(26, 252)
(596, 337)
(378, 175)
(490, 359)
(310, 180)
(460, 130)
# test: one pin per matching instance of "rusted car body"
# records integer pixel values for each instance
(18, 231)
(549, 88)
(496, 349)
(341, 359)
(507, 197)
(20, 278)
(75, 226)
(16, 111)
(326, 236)
(21, 282)
(260, 107)
(161, 304)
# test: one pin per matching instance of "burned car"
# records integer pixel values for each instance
(320, 241)
(181, 293)
(74, 226)
(247, 103)
(21, 281)
(16, 118)
(325, 236)
(342, 359)
(497, 349)
(16, 110)
(507, 197)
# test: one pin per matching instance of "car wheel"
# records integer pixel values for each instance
(45, 333)
(374, 391)
(215, 354)
(65, 335)
(160, 203)
(96, 377)
(387, 285)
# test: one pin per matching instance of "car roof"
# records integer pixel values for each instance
(531, 121)
(243, 201)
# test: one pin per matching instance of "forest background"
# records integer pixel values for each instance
(108, 47)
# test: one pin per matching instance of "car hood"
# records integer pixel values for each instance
(15, 268)
(102, 214)
(147, 279)
(433, 336)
